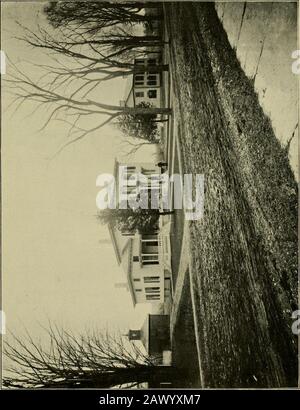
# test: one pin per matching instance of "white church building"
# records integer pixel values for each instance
(145, 257)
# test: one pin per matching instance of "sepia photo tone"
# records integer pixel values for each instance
(149, 194)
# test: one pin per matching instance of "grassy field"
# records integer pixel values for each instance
(244, 250)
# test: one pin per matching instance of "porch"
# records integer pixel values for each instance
(155, 249)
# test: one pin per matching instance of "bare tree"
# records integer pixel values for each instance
(70, 106)
(88, 361)
(81, 62)
(94, 16)
(110, 55)
(98, 33)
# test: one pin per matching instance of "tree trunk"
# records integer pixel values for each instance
(118, 377)
(145, 111)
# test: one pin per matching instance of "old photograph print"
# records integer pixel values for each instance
(149, 194)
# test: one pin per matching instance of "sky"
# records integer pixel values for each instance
(58, 263)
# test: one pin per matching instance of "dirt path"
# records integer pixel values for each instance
(244, 250)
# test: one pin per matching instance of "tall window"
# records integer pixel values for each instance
(149, 235)
(149, 242)
(127, 233)
(152, 297)
(150, 259)
(150, 262)
(153, 289)
(130, 170)
(139, 79)
(151, 279)
(151, 80)
(152, 93)
(140, 94)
